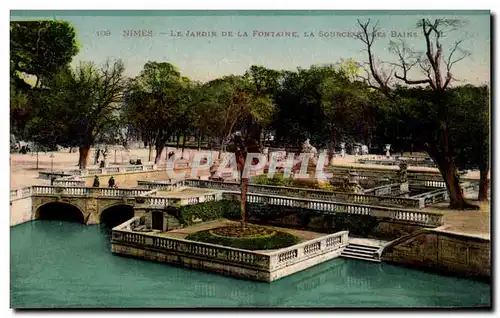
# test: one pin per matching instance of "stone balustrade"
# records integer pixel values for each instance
(416, 162)
(152, 184)
(425, 218)
(312, 193)
(229, 186)
(434, 196)
(390, 173)
(160, 202)
(383, 190)
(258, 265)
(429, 184)
(86, 191)
(97, 171)
(123, 234)
(70, 181)
(20, 193)
(129, 225)
(50, 175)
(292, 255)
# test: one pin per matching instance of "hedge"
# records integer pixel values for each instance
(208, 211)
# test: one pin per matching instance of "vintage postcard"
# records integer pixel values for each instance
(270, 159)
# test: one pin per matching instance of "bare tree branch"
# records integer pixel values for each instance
(368, 38)
(430, 61)
(450, 61)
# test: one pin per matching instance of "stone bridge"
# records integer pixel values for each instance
(86, 205)
(95, 205)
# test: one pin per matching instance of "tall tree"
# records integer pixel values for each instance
(433, 133)
(38, 50)
(87, 100)
(156, 100)
(256, 111)
(348, 111)
(470, 130)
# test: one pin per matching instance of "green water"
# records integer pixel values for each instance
(59, 264)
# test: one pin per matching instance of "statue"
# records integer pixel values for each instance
(308, 148)
(351, 184)
(387, 148)
(403, 177)
(364, 149)
(342, 149)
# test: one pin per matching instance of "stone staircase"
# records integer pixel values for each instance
(361, 252)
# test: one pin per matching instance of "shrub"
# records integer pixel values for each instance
(208, 211)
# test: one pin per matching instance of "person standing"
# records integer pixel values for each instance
(111, 182)
(96, 182)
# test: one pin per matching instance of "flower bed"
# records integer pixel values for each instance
(248, 237)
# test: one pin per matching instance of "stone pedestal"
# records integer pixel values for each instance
(404, 187)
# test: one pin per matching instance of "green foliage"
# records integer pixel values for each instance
(356, 224)
(207, 211)
(41, 48)
(237, 102)
(278, 179)
(79, 104)
(359, 225)
(157, 102)
(325, 104)
(470, 127)
(276, 241)
(38, 51)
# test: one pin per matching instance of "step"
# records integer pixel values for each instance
(361, 258)
(363, 248)
(358, 252)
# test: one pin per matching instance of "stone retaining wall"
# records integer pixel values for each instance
(260, 266)
(459, 254)
(21, 211)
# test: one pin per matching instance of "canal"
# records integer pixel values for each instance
(56, 264)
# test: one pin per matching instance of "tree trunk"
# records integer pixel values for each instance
(484, 183)
(178, 142)
(244, 189)
(331, 152)
(83, 156)
(449, 172)
(159, 149)
(37, 159)
(150, 151)
(199, 140)
(220, 148)
(183, 145)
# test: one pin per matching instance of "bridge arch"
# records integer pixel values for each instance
(116, 214)
(61, 211)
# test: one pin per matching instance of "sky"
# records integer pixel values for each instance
(104, 35)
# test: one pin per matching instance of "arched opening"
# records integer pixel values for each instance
(116, 215)
(60, 211)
